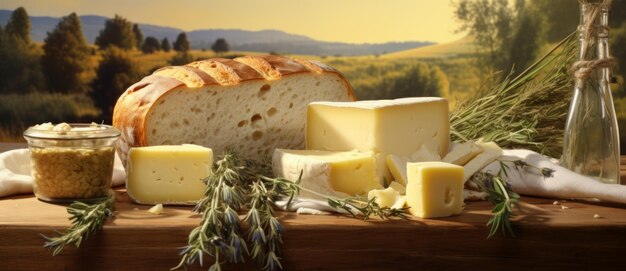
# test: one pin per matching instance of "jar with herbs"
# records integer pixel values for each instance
(71, 162)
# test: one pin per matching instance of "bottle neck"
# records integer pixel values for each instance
(593, 31)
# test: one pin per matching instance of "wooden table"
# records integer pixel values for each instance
(548, 238)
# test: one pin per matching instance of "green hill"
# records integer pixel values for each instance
(459, 47)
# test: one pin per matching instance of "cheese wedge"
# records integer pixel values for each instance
(337, 174)
(168, 174)
(461, 153)
(435, 189)
(490, 153)
(383, 127)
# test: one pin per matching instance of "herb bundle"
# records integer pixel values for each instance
(236, 184)
(514, 113)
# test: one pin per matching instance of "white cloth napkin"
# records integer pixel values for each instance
(15, 175)
(563, 184)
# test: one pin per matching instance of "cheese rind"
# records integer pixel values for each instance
(168, 174)
(384, 127)
(338, 174)
(434, 189)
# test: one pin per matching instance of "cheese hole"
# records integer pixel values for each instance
(242, 123)
(447, 199)
(257, 135)
(435, 134)
(290, 105)
(213, 65)
(359, 166)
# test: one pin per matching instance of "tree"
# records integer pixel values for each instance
(507, 34)
(138, 35)
(165, 45)
(19, 25)
(117, 32)
(618, 50)
(116, 72)
(66, 56)
(20, 70)
(181, 58)
(182, 43)
(150, 45)
(220, 46)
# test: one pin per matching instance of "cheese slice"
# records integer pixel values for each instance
(397, 164)
(337, 174)
(398, 187)
(490, 153)
(384, 127)
(168, 174)
(461, 153)
(434, 189)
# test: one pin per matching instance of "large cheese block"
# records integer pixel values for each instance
(168, 174)
(434, 189)
(251, 104)
(398, 127)
(337, 174)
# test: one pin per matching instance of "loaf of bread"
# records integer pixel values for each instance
(251, 104)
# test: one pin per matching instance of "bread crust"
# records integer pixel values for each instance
(133, 106)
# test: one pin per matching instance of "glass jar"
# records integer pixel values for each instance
(591, 141)
(71, 162)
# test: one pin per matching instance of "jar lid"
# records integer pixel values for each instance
(71, 131)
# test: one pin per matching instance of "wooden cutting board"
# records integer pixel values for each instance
(549, 237)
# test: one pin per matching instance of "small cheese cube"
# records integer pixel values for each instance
(384, 127)
(434, 189)
(384, 197)
(168, 174)
(330, 173)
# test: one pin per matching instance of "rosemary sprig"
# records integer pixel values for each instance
(86, 219)
(500, 195)
(234, 184)
(219, 232)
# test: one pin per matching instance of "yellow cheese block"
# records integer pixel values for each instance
(434, 189)
(168, 174)
(384, 127)
(330, 173)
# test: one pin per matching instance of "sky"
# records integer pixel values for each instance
(354, 21)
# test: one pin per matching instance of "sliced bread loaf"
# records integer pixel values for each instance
(251, 104)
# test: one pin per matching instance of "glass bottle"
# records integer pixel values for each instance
(591, 141)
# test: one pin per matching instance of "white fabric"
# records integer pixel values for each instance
(564, 184)
(15, 175)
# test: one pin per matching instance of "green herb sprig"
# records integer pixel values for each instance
(86, 219)
(235, 184)
(500, 195)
